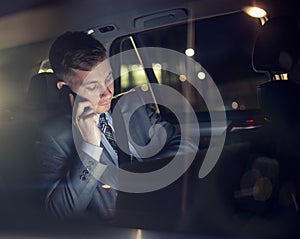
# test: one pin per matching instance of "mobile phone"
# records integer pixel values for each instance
(65, 103)
(66, 90)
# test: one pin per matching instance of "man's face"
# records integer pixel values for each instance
(96, 85)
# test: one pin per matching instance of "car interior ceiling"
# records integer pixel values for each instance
(264, 158)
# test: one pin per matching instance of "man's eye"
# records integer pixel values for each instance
(92, 88)
(108, 81)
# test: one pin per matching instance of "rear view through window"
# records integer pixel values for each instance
(221, 45)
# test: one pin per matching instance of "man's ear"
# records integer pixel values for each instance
(60, 84)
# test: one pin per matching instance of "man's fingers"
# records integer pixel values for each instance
(85, 119)
(88, 118)
(81, 108)
(87, 114)
(88, 110)
(81, 105)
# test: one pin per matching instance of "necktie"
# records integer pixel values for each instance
(107, 131)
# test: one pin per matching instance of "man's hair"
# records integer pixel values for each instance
(75, 50)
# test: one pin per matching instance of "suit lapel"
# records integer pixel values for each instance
(120, 133)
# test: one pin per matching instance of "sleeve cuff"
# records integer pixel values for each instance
(93, 151)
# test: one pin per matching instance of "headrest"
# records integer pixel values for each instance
(42, 92)
(277, 48)
(280, 101)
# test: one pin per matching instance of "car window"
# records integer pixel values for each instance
(222, 46)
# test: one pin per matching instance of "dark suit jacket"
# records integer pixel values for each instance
(71, 184)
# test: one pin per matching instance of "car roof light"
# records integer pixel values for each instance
(256, 12)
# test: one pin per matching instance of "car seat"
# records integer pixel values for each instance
(277, 52)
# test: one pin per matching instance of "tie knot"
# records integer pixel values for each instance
(102, 122)
(102, 117)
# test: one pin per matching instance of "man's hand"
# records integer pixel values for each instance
(86, 120)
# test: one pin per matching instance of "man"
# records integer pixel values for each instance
(72, 167)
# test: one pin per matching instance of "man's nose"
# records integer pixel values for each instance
(106, 93)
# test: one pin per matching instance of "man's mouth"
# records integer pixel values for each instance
(104, 103)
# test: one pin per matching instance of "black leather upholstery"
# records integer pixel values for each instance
(279, 101)
(277, 51)
(277, 48)
(43, 93)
